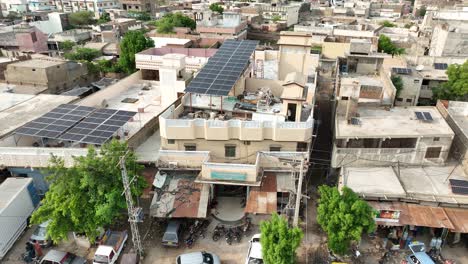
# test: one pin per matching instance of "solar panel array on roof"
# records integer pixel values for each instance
(402, 70)
(459, 186)
(55, 122)
(98, 127)
(223, 70)
(440, 66)
(77, 123)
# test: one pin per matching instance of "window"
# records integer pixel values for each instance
(399, 99)
(344, 98)
(33, 37)
(436, 138)
(230, 151)
(171, 141)
(33, 69)
(190, 147)
(416, 81)
(301, 146)
(275, 148)
(425, 82)
(399, 143)
(433, 152)
(409, 100)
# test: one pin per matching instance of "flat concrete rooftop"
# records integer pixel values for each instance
(396, 122)
(459, 113)
(38, 63)
(424, 184)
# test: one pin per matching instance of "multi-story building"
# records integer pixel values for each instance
(235, 129)
(231, 26)
(95, 6)
(288, 14)
(42, 5)
(24, 38)
(138, 5)
(18, 6)
(294, 53)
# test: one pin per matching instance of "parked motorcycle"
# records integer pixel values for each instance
(229, 236)
(218, 232)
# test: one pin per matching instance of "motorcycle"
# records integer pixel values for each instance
(229, 236)
(189, 241)
(218, 231)
(237, 234)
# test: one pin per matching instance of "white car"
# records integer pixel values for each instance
(198, 258)
(255, 251)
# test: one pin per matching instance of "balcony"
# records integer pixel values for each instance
(37, 157)
(249, 130)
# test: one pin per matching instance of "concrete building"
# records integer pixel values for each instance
(95, 6)
(376, 136)
(412, 82)
(24, 38)
(113, 31)
(56, 23)
(18, 6)
(387, 10)
(41, 5)
(54, 74)
(294, 54)
(456, 115)
(236, 141)
(449, 40)
(138, 5)
(288, 14)
(231, 26)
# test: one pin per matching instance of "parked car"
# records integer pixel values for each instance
(254, 256)
(40, 235)
(110, 248)
(173, 235)
(60, 257)
(419, 255)
(198, 258)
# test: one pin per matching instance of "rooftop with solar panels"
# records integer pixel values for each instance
(380, 122)
(224, 89)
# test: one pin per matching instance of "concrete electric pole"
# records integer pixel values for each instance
(299, 194)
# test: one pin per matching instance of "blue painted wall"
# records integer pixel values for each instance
(38, 178)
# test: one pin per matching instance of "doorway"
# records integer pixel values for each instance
(292, 112)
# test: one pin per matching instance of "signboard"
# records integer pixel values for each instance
(389, 216)
(233, 176)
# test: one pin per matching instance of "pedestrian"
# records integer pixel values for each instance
(38, 249)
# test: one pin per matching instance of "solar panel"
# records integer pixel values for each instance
(98, 127)
(222, 70)
(428, 116)
(440, 66)
(460, 190)
(55, 122)
(419, 115)
(458, 183)
(402, 70)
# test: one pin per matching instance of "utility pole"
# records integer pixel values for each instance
(133, 213)
(299, 194)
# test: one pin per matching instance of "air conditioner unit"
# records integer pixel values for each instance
(172, 164)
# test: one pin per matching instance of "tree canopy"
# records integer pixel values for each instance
(215, 7)
(279, 241)
(81, 18)
(422, 11)
(105, 17)
(456, 88)
(169, 21)
(88, 195)
(387, 23)
(67, 45)
(276, 18)
(83, 54)
(132, 43)
(386, 45)
(344, 217)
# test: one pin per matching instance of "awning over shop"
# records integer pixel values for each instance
(428, 216)
(263, 199)
(459, 218)
(179, 198)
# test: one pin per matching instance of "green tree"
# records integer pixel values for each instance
(83, 54)
(67, 45)
(398, 83)
(88, 195)
(132, 43)
(81, 18)
(386, 45)
(279, 241)
(387, 23)
(344, 217)
(422, 11)
(276, 18)
(456, 88)
(105, 17)
(169, 21)
(216, 8)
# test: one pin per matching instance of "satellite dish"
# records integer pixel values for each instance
(420, 67)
